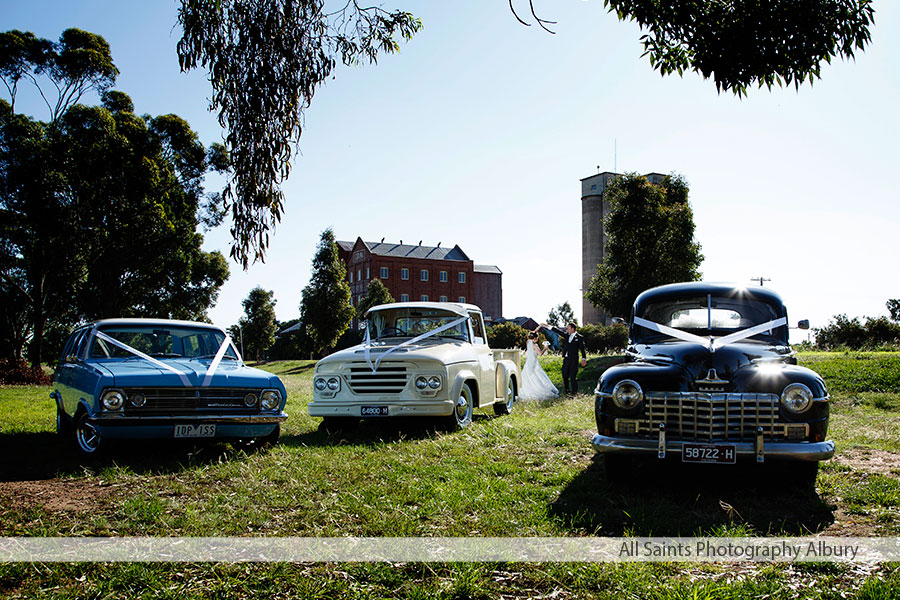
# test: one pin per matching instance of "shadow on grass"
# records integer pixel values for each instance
(371, 432)
(667, 498)
(36, 456)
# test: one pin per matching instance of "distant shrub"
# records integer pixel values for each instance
(600, 339)
(17, 372)
(507, 335)
(851, 334)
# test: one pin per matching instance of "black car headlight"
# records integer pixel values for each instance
(321, 384)
(421, 383)
(797, 398)
(627, 394)
(270, 399)
(112, 400)
(434, 382)
(334, 384)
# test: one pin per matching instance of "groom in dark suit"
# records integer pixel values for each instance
(572, 343)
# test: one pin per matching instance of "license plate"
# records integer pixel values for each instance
(709, 453)
(195, 431)
(373, 411)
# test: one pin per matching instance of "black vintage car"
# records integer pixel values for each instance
(711, 377)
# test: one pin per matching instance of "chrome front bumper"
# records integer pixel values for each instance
(396, 408)
(117, 418)
(803, 451)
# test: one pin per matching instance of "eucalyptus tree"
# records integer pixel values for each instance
(267, 58)
(99, 207)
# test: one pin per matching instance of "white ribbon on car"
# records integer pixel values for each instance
(217, 359)
(712, 343)
(368, 341)
(147, 357)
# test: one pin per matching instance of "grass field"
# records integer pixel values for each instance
(532, 473)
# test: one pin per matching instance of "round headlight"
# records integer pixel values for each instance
(270, 399)
(796, 397)
(113, 400)
(138, 399)
(627, 394)
(334, 384)
(320, 384)
(421, 383)
(434, 382)
(250, 400)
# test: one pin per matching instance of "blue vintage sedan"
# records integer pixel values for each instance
(154, 378)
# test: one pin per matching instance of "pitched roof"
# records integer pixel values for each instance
(488, 269)
(411, 251)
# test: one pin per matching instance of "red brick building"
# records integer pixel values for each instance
(423, 273)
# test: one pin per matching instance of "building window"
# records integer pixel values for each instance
(367, 273)
(359, 274)
(443, 298)
(424, 297)
(404, 273)
(384, 273)
(462, 299)
(351, 276)
(404, 297)
(423, 275)
(444, 276)
(462, 277)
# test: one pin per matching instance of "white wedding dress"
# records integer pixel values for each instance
(535, 383)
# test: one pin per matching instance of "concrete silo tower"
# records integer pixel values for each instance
(593, 237)
(594, 209)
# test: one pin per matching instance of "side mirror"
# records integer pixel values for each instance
(618, 320)
(804, 324)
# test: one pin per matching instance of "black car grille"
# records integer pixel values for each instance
(191, 400)
(713, 417)
(388, 379)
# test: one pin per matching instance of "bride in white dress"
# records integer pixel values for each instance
(535, 383)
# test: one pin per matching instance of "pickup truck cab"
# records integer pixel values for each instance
(421, 359)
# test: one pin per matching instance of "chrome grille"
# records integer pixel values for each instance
(188, 400)
(712, 417)
(388, 379)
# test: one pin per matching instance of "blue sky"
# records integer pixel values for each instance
(479, 131)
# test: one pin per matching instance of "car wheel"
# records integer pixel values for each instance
(461, 417)
(339, 425)
(63, 424)
(509, 398)
(88, 440)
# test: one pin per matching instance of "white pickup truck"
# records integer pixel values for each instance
(428, 359)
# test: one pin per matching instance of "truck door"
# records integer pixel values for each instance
(485, 357)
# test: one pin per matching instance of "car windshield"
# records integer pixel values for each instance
(708, 315)
(412, 322)
(160, 341)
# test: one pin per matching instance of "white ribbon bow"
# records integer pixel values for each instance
(368, 341)
(712, 343)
